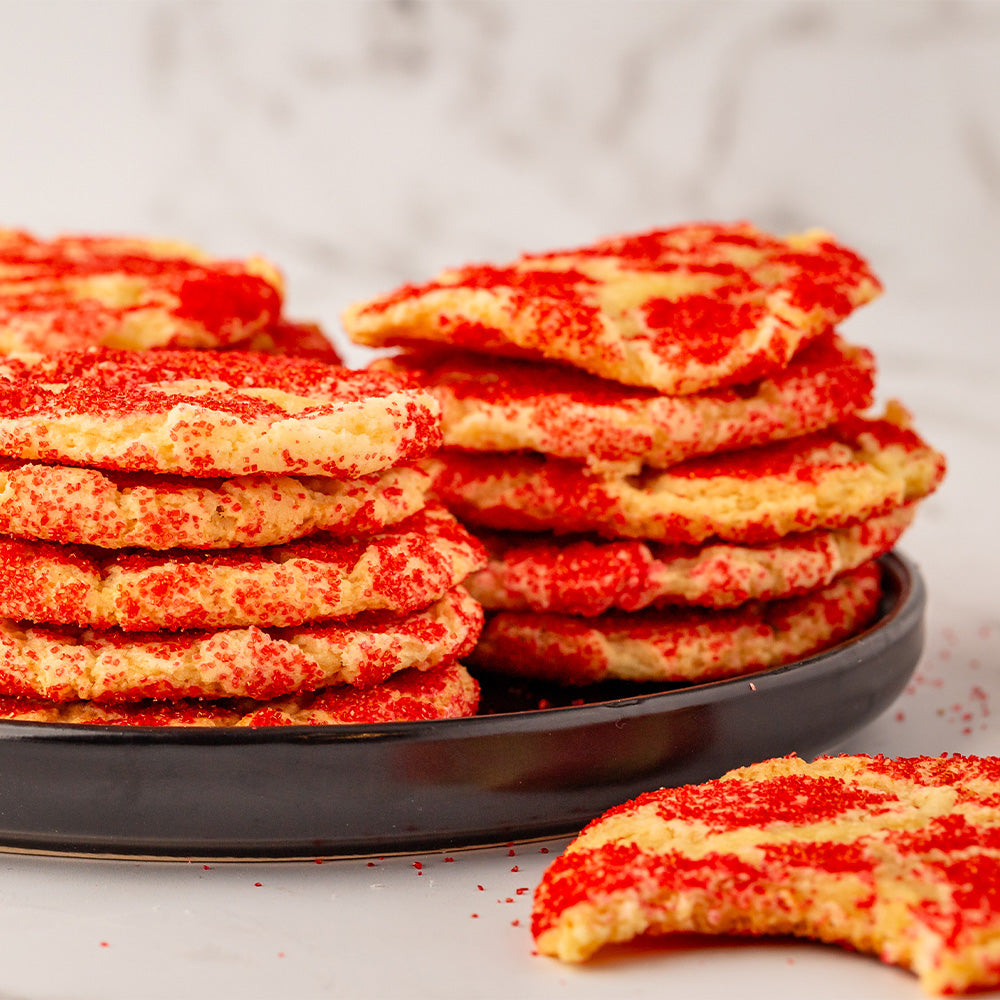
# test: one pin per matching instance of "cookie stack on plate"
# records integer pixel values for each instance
(220, 538)
(661, 440)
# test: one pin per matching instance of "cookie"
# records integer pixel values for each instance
(63, 503)
(678, 644)
(404, 568)
(78, 291)
(679, 310)
(897, 858)
(203, 413)
(66, 664)
(857, 469)
(501, 405)
(443, 692)
(591, 576)
(300, 340)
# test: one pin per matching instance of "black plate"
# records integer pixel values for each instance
(514, 774)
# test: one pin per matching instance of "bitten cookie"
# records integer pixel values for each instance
(64, 664)
(62, 503)
(501, 405)
(404, 568)
(203, 413)
(899, 858)
(675, 644)
(443, 692)
(591, 576)
(78, 291)
(679, 310)
(858, 469)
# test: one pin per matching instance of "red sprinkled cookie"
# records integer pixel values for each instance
(897, 858)
(63, 503)
(858, 469)
(679, 310)
(404, 568)
(443, 692)
(79, 291)
(678, 644)
(300, 340)
(66, 664)
(203, 413)
(591, 576)
(500, 405)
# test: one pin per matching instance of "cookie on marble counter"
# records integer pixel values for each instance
(897, 858)
(589, 576)
(66, 664)
(405, 567)
(63, 503)
(447, 691)
(678, 644)
(206, 413)
(503, 405)
(857, 469)
(679, 310)
(77, 291)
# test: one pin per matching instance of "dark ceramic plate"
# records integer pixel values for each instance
(516, 773)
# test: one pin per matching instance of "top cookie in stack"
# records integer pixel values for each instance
(216, 537)
(660, 437)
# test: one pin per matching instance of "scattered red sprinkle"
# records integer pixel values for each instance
(258, 884)
(480, 888)
(515, 869)
(447, 860)
(104, 944)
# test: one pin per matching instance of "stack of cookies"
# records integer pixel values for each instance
(212, 537)
(661, 441)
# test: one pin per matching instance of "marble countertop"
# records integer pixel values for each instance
(361, 144)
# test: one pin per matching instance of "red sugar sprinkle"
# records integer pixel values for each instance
(258, 884)
(417, 865)
(104, 944)
(446, 860)
(515, 869)
(480, 888)
(511, 853)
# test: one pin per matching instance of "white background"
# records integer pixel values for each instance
(361, 144)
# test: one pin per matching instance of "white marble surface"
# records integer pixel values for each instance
(360, 144)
